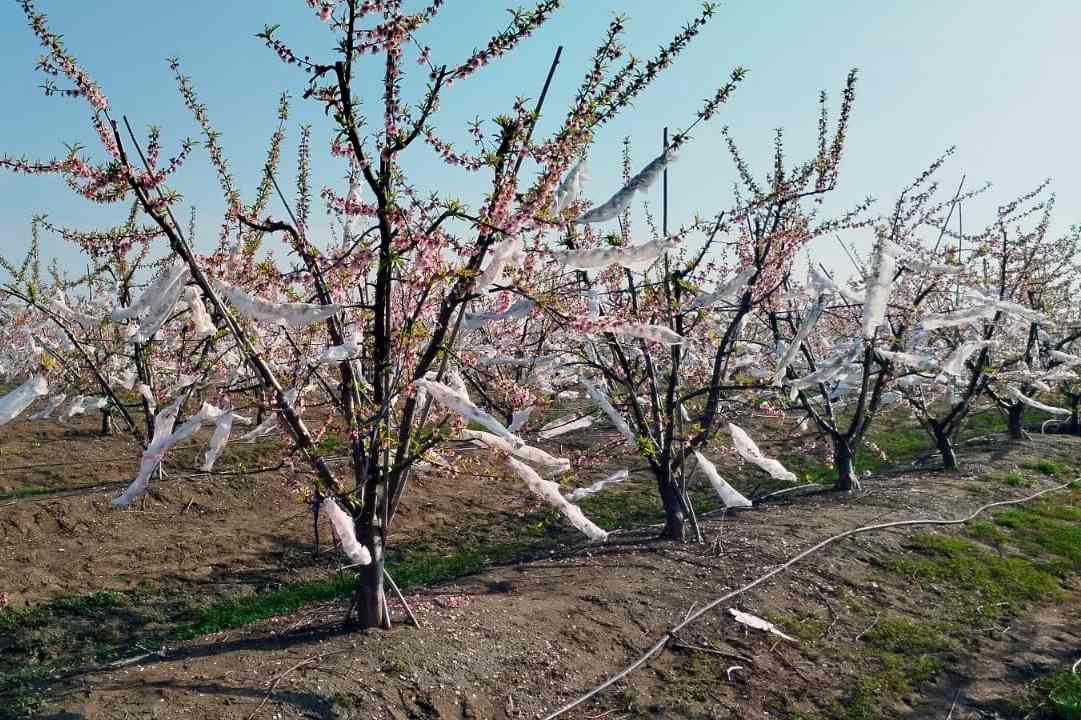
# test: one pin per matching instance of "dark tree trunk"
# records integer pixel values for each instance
(945, 449)
(369, 608)
(106, 424)
(843, 461)
(1073, 425)
(675, 519)
(1014, 419)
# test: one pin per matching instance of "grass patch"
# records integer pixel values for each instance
(1033, 529)
(245, 609)
(982, 422)
(900, 636)
(887, 444)
(330, 443)
(1049, 468)
(26, 490)
(871, 694)
(977, 575)
(1053, 697)
(807, 629)
(899, 443)
(47, 639)
(1016, 478)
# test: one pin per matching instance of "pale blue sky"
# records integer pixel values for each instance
(994, 77)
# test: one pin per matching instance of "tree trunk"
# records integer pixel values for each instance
(369, 608)
(106, 425)
(945, 449)
(675, 520)
(1073, 425)
(1014, 417)
(847, 480)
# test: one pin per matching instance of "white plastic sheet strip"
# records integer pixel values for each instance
(13, 404)
(550, 492)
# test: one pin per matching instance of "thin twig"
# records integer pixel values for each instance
(954, 705)
(274, 684)
(138, 658)
(869, 627)
(670, 635)
(698, 648)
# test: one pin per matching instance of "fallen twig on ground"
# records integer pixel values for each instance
(869, 628)
(282, 676)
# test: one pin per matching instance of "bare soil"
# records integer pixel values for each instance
(516, 641)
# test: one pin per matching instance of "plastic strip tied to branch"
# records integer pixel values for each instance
(731, 497)
(619, 202)
(291, 314)
(549, 491)
(747, 449)
(345, 530)
(465, 407)
(613, 479)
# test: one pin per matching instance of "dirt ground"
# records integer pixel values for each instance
(214, 534)
(518, 640)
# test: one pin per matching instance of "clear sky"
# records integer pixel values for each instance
(997, 78)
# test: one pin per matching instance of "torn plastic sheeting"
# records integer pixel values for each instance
(598, 396)
(801, 334)
(727, 291)
(619, 202)
(142, 304)
(613, 479)
(161, 307)
(340, 353)
(634, 258)
(290, 314)
(571, 187)
(527, 453)
(463, 406)
(912, 360)
(81, 403)
(1022, 398)
(502, 253)
(520, 309)
(155, 453)
(652, 333)
(16, 401)
(878, 290)
(519, 418)
(271, 423)
(46, 412)
(747, 449)
(932, 268)
(549, 491)
(152, 456)
(144, 390)
(1065, 358)
(563, 425)
(753, 621)
(731, 497)
(955, 363)
(60, 306)
(961, 317)
(223, 425)
(200, 318)
(345, 530)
